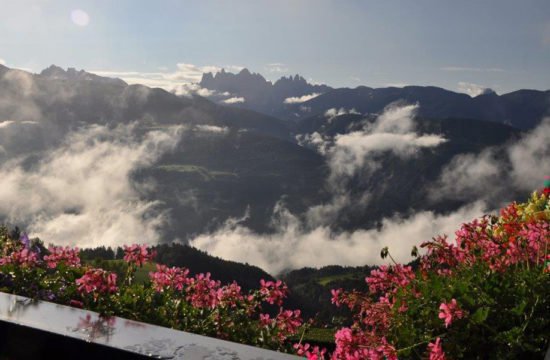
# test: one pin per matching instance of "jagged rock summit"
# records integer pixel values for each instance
(54, 72)
(259, 93)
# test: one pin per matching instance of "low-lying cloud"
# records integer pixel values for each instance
(473, 89)
(292, 247)
(276, 68)
(310, 240)
(300, 99)
(234, 100)
(334, 112)
(482, 181)
(392, 131)
(182, 81)
(212, 129)
(497, 170)
(81, 193)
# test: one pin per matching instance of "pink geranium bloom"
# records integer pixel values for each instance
(165, 277)
(137, 254)
(97, 281)
(448, 311)
(62, 254)
(273, 291)
(436, 351)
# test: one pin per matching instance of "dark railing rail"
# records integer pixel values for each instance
(32, 329)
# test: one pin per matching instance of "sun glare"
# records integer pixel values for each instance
(80, 17)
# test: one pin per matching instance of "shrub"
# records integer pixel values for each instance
(169, 298)
(484, 295)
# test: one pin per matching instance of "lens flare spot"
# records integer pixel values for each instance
(80, 17)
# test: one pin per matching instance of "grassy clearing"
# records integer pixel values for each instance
(120, 267)
(319, 335)
(206, 174)
(324, 281)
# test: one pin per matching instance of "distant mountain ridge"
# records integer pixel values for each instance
(54, 72)
(260, 94)
(522, 109)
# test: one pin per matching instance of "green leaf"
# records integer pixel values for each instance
(480, 315)
(520, 309)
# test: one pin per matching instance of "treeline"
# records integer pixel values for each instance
(310, 289)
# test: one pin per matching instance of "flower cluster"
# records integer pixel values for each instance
(310, 352)
(97, 282)
(23, 257)
(406, 305)
(169, 297)
(202, 292)
(273, 291)
(138, 254)
(169, 278)
(59, 254)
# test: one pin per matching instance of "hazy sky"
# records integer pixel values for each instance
(453, 44)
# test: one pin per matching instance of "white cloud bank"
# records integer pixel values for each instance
(521, 165)
(472, 89)
(211, 129)
(182, 81)
(311, 241)
(334, 112)
(293, 247)
(392, 131)
(81, 193)
(276, 68)
(300, 99)
(234, 100)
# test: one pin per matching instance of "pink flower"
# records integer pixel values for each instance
(230, 294)
(24, 257)
(287, 323)
(273, 292)
(265, 320)
(448, 311)
(336, 293)
(97, 281)
(60, 254)
(436, 351)
(310, 352)
(165, 277)
(137, 254)
(202, 292)
(389, 278)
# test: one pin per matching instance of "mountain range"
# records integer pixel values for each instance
(522, 108)
(238, 163)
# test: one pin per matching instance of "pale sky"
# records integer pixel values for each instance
(457, 45)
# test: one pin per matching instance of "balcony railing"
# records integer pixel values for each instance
(41, 330)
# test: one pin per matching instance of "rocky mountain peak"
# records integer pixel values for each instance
(55, 72)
